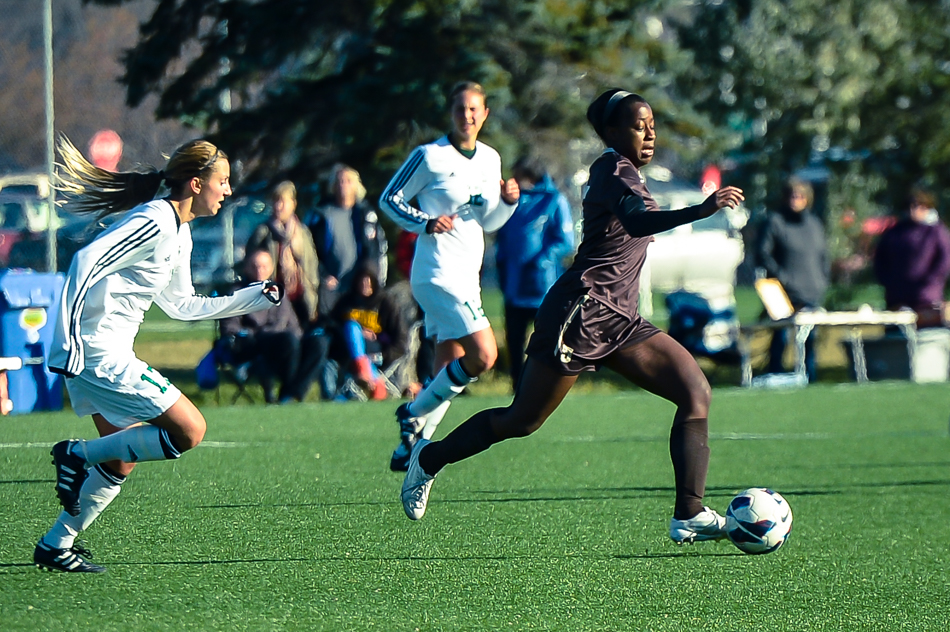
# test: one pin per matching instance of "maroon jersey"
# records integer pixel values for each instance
(592, 309)
(609, 260)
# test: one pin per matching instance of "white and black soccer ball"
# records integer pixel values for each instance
(758, 521)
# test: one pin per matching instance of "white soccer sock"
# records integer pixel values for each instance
(448, 383)
(132, 445)
(434, 418)
(98, 490)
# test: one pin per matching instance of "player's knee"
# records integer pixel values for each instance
(513, 425)
(700, 397)
(484, 360)
(528, 426)
(192, 433)
(531, 426)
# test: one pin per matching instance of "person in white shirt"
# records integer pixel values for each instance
(141, 259)
(459, 192)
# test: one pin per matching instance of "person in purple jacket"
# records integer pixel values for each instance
(912, 260)
(590, 319)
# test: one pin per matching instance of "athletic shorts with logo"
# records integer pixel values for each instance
(450, 316)
(125, 393)
(576, 333)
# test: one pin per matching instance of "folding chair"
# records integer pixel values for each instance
(396, 376)
(219, 362)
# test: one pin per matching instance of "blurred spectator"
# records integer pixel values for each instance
(425, 360)
(405, 250)
(912, 260)
(347, 234)
(267, 341)
(272, 343)
(792, 249)
(529, 253)
(370, 322)
(291, 247)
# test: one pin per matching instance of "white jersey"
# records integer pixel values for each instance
(444, 182)
(144, 257)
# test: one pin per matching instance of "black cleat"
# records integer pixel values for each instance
(410, 429)
(70, 474)
(70, 560)
(399, 462)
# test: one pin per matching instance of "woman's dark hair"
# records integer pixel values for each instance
(605, 110)
(366, 269)
(530, 168)
(920, 196)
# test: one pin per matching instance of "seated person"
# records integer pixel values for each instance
(912, 260)
(425, 359)
(291, 248)
(268, 339)
(369, 321)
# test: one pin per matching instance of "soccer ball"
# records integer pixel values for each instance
(758, 521)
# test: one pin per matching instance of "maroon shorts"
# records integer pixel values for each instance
(574, 334)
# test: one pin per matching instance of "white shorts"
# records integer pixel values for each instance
(131, 394)
(448, 316)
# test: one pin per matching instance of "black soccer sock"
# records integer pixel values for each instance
(471, 437)
(689, 450)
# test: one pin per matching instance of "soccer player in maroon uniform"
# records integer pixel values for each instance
(590, 319)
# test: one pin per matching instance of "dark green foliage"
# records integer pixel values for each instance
(858, 86)
(291, 86)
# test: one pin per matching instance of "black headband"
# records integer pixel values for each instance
(210, 163)
(612, 104)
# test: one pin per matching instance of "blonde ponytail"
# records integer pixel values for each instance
(91, 189)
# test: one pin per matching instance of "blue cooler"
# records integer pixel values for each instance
(29, 306)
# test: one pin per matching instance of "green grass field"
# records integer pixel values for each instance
(287, 519)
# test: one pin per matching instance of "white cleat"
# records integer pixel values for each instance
(704, 526)
(416, 486)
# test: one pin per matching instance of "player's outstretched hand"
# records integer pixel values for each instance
(726, 196)
(510, 191)
(273, 291)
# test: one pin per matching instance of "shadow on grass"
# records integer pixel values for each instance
(44, 481)
(682, 553)
(594, 494)
(875, 466)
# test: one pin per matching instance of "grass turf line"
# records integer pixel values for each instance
(291, 521)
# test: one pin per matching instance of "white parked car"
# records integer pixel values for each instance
(693, 256)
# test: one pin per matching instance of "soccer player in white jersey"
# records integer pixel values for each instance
(143, 258)
(459, 192)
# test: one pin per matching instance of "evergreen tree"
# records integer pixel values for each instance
(292, 86)
(858, 86)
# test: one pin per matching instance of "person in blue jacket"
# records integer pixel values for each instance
(529, 253)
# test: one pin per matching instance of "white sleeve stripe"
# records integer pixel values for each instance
(74, 358)
(403, 175)
(392, 194)
(142, 235)
(135, 239)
